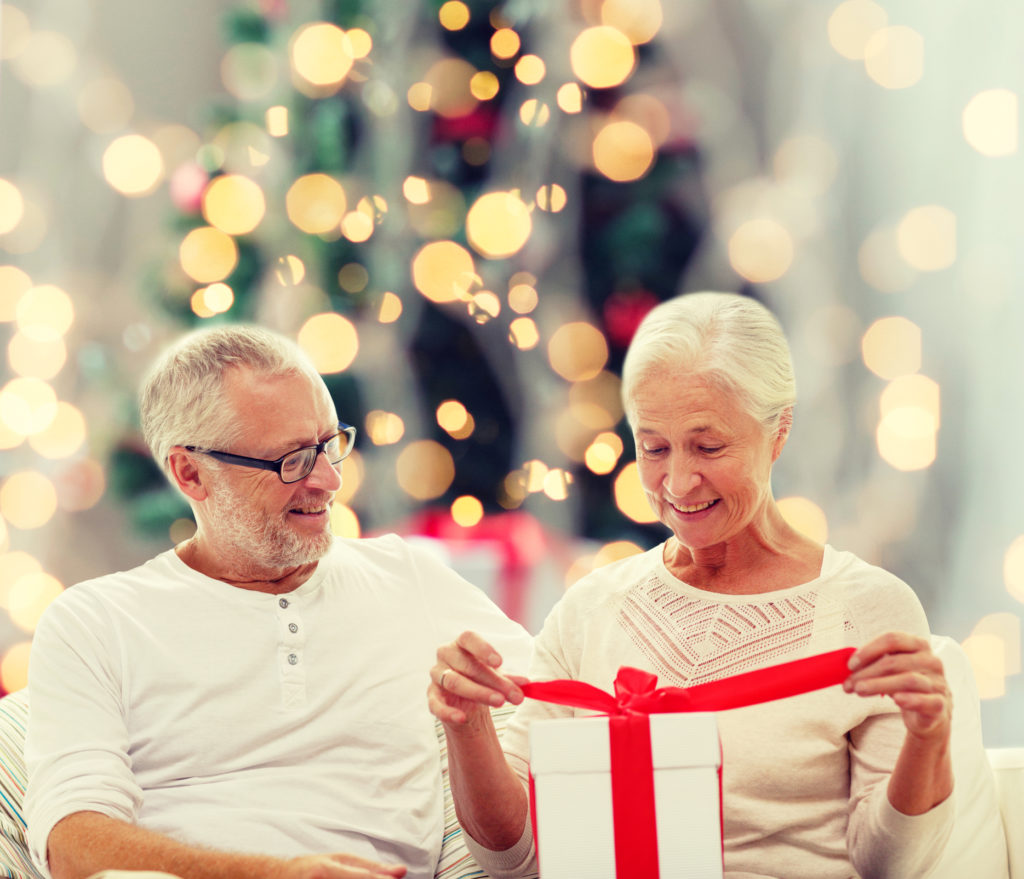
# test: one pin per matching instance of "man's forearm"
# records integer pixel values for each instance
(490, 802)
(86, 842)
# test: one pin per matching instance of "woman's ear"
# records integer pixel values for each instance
(183, 470)
(782, 432)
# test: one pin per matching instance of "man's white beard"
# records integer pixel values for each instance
(260, 542)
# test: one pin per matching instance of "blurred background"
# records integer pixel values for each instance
(462, 209)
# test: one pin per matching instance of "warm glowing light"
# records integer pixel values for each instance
(891, 347)
(32, 358)
(602, 57)
(316, 203)
(234, 204)
(498, 224)
(353, 277)
(132, 164)
(218, 297)
(630, 497)
(48, 59)
(467, 511)
(912, 392)
(29, 596)
(852, 24)
(15, 31)
(906, 439)
(523, 333)
(597, 402)
(761, 250)
(926, 237)
(623, 151)
(249, 71)
(330, 340)
(450, 93)
(44, 313)
(647, 112)
(425, 469)
(321, 54)
(289, 270)
(1007, 628)
(615, 551)
(208, 255)
(12, 206)
(530, 69)
(578, 351)
(276, 120)
(390, 308)
(556, 484)
(14, 667)
(418, 96)
(452, 415)
(551, 197)
(344, 522)
(522, 298)
(384, 428)
(416, 190)
(14, 283)
(990, 122)
(534, 113)
(81, 485)
(808, 159)
(536, 472)
(453, 15)
(987, 655)
(356, 226)
(63, 436)
(27, 405)
(484, 85)
(602, 455)
(1013, 568)
(443, 271)
(505, 43)
(639, 20)
(880, 262)
(484, 306)
(894, 57)
(27, 499)
(352, 475)
(569, 98)
(805, 516)
(360, 42)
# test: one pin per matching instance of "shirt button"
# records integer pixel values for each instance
(283, 602)
(292, 627)
(293, 659)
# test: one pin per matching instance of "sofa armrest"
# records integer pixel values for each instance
(1008, 765)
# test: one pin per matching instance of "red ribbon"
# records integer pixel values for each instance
(636, 697)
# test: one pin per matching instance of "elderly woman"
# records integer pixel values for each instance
(840, 782)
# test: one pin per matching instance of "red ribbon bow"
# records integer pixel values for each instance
(636, 697)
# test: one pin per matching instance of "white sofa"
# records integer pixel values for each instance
(987, 842)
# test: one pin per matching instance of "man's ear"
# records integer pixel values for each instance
(182, 467)
(782, 432)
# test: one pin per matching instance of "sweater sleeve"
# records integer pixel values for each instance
(76, 749)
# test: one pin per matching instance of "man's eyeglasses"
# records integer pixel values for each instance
(298, 464)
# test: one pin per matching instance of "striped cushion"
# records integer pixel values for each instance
(14, 859)
(456, 862)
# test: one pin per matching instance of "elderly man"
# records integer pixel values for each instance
(250, 702)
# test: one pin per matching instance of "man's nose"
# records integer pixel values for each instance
(324, 475)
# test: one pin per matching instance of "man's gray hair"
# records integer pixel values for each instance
(183, 401)
(732, 341)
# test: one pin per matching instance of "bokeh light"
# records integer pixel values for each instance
(894, 57)
(27, 405)
(987, 656)
(805, 516)
(330, 340)
(29, 596)
(906, 438)
(44, 313)
(881, 264)
(926, 237)
(630, 497)
(569, 98)
(132, 165)
(234, 204)
(453, 15)
(12, 206)
(47, 60)
(602, 57)
(639, 20)
(276, 119)
(425, 469)
(14, 283)
(36, 359)
(498, 224)
(316, 203)
(450, 92)
(505, 43)
(530, 69)
(467, 511)
(390, 308)
(761, 250)
(577, 351)
(27, 499)
(522, 298)
(64, 435)
(484, 85)
(14, 667)
(344, 521)
(523, 333)
(891, 347)
(623, 151)
(991, 122)
(384, 428)
(551, 197)
(602, 455)
(852, 23)
(443, 271)
(208, 255)
(534, 113)
(1013, 568)
(321, 56)
(81, 485)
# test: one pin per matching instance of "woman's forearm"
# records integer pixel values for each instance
(923, 775)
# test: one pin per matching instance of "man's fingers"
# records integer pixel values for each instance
(479, 649)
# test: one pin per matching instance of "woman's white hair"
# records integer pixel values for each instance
(183, 400)
(731, 341)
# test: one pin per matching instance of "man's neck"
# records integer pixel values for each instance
(274, 581)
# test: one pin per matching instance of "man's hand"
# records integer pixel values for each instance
(465, 683)
(340, 867)
(903, 666)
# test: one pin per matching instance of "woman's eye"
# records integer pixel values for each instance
(653, 450)
(710, 450)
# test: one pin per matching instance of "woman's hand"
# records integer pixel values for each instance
(465, 682)
(903, 666)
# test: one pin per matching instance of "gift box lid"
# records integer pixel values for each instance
(581, 744)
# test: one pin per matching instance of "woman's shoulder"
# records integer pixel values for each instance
(614, 578)
(871, 591)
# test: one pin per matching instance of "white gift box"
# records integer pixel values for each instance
(570, 761)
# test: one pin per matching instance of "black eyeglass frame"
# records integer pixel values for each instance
(278, 465)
